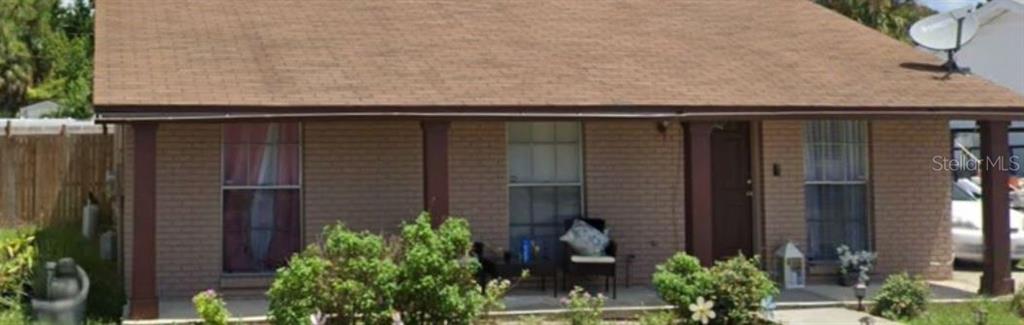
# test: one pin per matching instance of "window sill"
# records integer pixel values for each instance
(246, 281)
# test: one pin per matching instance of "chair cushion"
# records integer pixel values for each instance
(585, 239)
(592, 259)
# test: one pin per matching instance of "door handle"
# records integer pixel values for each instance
(750, 193)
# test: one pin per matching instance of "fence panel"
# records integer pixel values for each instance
(45, 179)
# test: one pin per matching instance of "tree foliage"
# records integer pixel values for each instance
(887, 16)
(46, 54)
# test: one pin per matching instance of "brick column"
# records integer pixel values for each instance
(143, 303)
(435, 169)
(995, 149)
(698, 191)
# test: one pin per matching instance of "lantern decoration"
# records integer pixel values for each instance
(792, 266)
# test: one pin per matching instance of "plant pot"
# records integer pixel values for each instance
(848, 279)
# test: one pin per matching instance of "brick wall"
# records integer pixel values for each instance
(783, 195)
(911, 201)
(188, 218)
(634, 180)
(478, 179)
(367, 174)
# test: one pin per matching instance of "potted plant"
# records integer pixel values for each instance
(855, 267)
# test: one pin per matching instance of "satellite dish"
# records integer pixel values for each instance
(946, 32)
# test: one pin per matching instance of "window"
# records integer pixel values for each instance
(835, 168)
(261, 195)
(545, 182)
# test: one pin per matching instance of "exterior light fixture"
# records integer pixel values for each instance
(860, 291)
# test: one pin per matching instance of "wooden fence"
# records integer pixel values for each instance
(45, 179)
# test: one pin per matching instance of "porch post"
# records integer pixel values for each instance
(699, 191)
(143, 304)
(435, 170)
(995, 149)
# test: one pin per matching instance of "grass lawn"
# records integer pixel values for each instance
(999, 312)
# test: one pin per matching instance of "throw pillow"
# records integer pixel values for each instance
(585, 239)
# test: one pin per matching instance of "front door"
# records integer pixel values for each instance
(732, 190)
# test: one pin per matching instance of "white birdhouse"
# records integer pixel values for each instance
(792, 266)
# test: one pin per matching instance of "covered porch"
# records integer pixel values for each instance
(705, 202)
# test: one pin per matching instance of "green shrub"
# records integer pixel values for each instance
(17, 257)
(350, 277)
(657, 318)
(296, 292)
(106, 296)
(427, 278)
(681, 280)
(1017, 302)
(584, 309)
(901, 297)
(736, 286)
(436, 277)
(739, 286)
(211, 308)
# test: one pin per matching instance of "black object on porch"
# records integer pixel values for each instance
(995, 150)
(577, 268)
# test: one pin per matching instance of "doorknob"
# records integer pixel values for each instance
(750, 181)
(750, 193)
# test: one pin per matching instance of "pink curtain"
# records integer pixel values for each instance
(260, 225)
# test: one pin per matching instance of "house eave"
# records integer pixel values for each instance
(221, 113)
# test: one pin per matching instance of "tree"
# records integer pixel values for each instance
(46, 54)
(886, 16)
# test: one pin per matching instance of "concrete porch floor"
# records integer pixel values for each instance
(529, 299)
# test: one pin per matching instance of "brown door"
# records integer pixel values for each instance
(731, 183)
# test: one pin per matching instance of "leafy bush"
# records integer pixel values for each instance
(584, 309)
(296, 292)
(657, 318)
(426, 278)
(901, 297)
(681, 280)
(1017, 302)
(211, 308)
(350, 278)
(436, 277)
(737, 287)
(106, 296)
(17, 257)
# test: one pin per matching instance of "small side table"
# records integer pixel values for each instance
(543, 270)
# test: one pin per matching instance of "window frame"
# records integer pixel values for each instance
(299, 187)
(580, 184)
(865, 183)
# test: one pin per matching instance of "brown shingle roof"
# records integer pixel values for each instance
(705, 53)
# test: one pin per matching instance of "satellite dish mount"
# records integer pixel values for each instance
(951, 65)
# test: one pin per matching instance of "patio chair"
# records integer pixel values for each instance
(580, 265)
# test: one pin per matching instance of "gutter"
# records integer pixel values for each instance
(766, 113)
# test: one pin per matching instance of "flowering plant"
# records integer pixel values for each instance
(860, 262)
(211, 308)
(584, 309)
(702, 310)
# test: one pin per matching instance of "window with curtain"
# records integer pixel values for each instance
(545, 182)
(836, 171)
(261, 172)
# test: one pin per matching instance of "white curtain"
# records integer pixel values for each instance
(261, 213)
(835, 168)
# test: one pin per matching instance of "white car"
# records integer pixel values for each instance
(966, 213)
